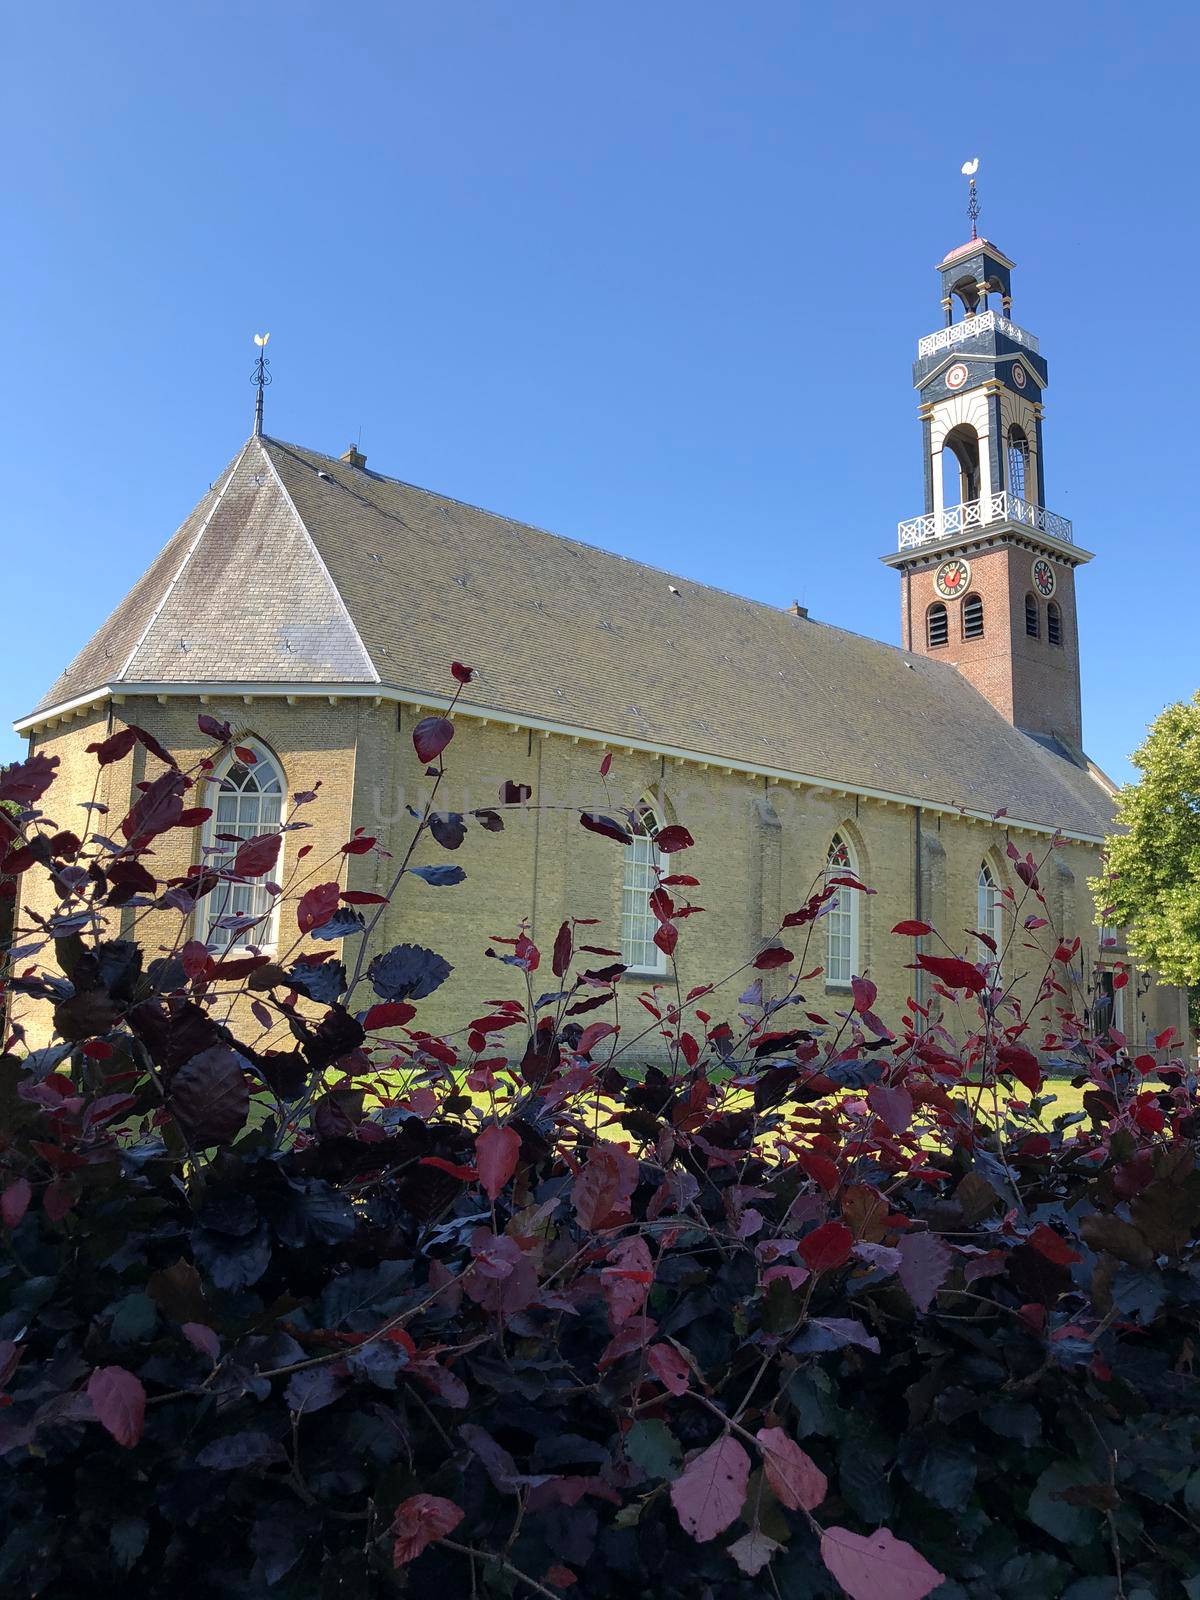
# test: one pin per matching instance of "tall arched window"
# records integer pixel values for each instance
(960, 465)
(841, 923)
(638, 923)
(1018, 461)
(1032, 620)
(1054, 631)
(972, 617)
(937, 625)
(249, 801)
(987, 912)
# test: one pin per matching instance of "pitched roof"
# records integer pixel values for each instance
(298, 567)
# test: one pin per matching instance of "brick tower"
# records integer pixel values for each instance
(987, 574)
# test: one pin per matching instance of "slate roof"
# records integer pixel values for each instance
(297, 567)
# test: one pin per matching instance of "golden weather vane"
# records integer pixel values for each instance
(969, 169)
(260, 378)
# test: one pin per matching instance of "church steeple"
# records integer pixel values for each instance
(987, 571)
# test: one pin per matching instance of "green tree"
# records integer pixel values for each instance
(1152, 883)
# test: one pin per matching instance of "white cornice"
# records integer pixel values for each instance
(502, 716)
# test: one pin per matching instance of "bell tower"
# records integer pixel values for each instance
(987, 573)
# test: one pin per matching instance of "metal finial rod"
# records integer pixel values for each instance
(260, 378)
(968, 170)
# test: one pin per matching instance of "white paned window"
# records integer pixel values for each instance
(841, 923)
(638, 922)
(987, 912)
(249, 801)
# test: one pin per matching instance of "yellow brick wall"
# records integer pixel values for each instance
(760, 847)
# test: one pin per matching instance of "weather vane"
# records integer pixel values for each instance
(969, 169)
(260, 378)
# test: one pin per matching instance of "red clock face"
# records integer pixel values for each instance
(1018, 374)
(1044, 580)
(952, 578)
(956, 376)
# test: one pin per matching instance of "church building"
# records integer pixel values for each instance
(317, 604)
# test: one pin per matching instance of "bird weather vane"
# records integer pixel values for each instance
(260, 378)
(968, 170)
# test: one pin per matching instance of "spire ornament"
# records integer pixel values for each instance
(968, 170)
(260, 378)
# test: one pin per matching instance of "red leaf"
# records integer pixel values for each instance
(561, 1577)
(625, 1283)
(420, 1521)
(709, 1493)
(461, 674)
(820, 1169)
(358, 846)
(210, 1097)
(826, 1247)
(317, 905)
(669, 1367)
(119, 1402)
(925, 1262)
(894, 1107)
(431, 736)
(595, 823)
(1053, 1246)
(606, 764)
(1163, 1039)
(514, 794)
(675, 837)
(864, 992)
(689, 1048)
(1022, 1063)
(591, 1037)
(389, 1014)
(954, 973)
(914, 930)
(561, 959)
(775, 955)
(214, 729)
(795, 1477)
(496, 1151)
(257, 855)
(666, 937)
(603, 1189)
(202, 1338)
(114, 747)
(245, 755)
(681, 880)
(1120, 978)
(463, 1174)
(28, 781)
(14, 1202)
(877, 1566)
(363, 897)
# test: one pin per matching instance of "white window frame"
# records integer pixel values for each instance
(989, 897)
(228, 899)
(841, 922)
(638, 880)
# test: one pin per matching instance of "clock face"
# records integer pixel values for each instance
(952, 577)
(1018, 374)
(1044, 580)
(956, 376)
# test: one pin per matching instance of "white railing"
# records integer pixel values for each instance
(968, 328)
(1002, 507)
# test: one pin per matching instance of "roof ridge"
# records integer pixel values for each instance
(298, 451)
(181, 568)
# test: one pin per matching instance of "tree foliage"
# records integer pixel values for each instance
(299, 1299)
(1151, 884)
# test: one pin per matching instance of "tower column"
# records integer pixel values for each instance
(927, 452)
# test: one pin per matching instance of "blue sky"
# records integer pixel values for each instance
(649, 274)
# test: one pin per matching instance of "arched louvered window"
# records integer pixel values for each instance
(248, 801)
(1032, 620)
(1054, 629)
(937, 625)
(841, 923)
(1018, 461)
(987, 912)
(972, 617)
(638, 923)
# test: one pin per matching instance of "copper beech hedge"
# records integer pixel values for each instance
(593, 1295)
